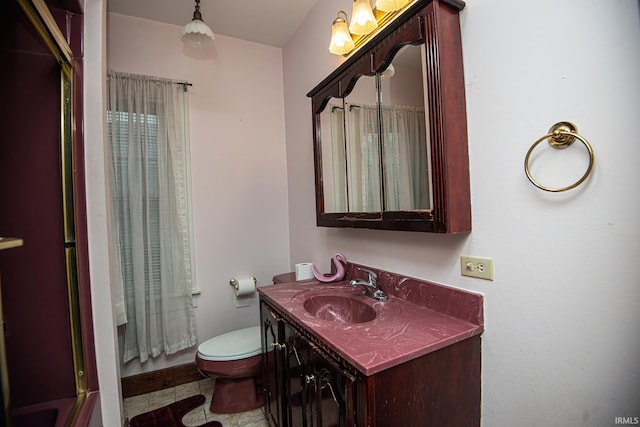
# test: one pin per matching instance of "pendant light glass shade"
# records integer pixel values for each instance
(363, 20)
(196, 33)
(341, 41)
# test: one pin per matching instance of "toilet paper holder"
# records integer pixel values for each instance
(234, 282)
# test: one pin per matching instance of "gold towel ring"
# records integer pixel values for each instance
(561, 135)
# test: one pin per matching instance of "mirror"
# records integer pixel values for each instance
(363, 147)
(334, 156)
(405, 144)
(351, 151)
(390, 138)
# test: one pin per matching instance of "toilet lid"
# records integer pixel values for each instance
(233, 345)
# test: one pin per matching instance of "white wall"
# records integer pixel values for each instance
(237, 162)
(561, 345)
(103, 314)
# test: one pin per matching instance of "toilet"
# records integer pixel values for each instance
(234, 359)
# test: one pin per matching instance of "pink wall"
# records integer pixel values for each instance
(237, 162)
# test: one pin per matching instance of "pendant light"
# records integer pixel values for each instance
(196, 33)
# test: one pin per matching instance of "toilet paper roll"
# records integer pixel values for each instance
(304, 270)
(245, 287)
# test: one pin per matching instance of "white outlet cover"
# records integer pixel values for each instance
(479, 267)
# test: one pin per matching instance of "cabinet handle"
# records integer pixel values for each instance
(295, 353)
(325, 376)
(274, 315)
(309, 378)
(278, 346)
(331, 361)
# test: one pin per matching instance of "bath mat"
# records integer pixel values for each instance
(171, 415)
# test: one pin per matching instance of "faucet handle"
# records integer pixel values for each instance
(372, 276)
(380, 296)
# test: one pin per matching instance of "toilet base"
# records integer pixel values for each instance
(231, 396)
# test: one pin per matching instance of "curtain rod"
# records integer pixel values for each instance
(178, 82)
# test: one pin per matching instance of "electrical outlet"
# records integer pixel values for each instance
(474, 266)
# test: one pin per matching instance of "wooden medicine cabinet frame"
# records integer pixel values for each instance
(434, 23)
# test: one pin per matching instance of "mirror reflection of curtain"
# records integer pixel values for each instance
(338, 153)
(147, 120)
(364, 158)
(406, 161)
(406, 165)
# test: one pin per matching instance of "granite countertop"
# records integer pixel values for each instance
(401, 331)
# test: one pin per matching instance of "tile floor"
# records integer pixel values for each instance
(146, 402)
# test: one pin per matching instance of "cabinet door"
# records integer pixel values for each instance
(304, 386)
(298, 393)
(332, 390)
(327, 388)
(273, 365)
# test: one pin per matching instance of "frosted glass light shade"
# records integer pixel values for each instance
(341, 41)
(197, 34)
(362, 19)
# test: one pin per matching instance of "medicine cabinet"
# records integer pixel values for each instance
(390, 128)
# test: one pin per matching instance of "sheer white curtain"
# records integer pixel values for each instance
(405, 157)
(406, 162)
(150, 199)
(339, 158)
(364, 158)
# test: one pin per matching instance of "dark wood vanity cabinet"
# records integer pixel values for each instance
(306, 384)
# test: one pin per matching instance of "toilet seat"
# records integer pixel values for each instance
(234, 345)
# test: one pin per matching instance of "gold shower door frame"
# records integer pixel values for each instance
(41, 18)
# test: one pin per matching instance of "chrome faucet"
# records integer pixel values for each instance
(370, 286)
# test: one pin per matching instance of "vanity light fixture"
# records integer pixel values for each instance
(390, 5)
(341, 41)
(196, 33)
(363, 21)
